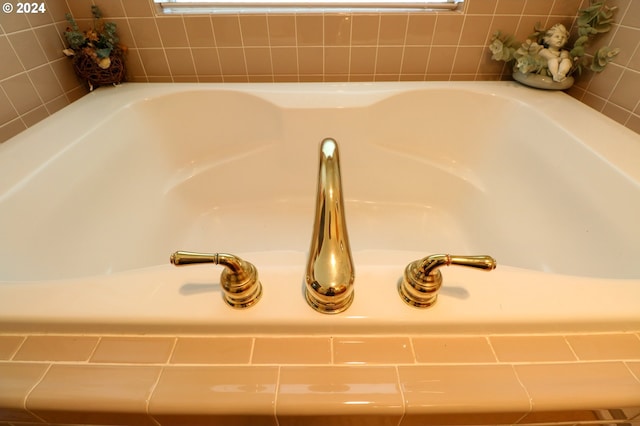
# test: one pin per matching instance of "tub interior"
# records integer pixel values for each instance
(224, 171)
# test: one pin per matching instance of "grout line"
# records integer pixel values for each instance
(402, 397)
(150, 397)
(26, 398)
(252, 351)
(275, 395)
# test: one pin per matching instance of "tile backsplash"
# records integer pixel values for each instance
(37, 80)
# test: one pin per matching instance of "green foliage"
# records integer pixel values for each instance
(98, 41)
(592, 21)
(595, 19)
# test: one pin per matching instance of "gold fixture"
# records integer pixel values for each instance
(330, 273)
(422, 279)
(239, 279)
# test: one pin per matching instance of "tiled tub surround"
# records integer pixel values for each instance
(286, 380)
(36, 79)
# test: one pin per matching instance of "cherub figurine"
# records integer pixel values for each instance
(558, 59)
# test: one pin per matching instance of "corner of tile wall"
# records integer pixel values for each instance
(36, 79)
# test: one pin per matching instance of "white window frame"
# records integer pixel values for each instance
(298, 6)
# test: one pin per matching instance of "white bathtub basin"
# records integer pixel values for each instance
(94, 199)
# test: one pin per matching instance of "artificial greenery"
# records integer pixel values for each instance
(592, 21)
(98, 42)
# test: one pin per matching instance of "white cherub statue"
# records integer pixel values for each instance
(558, 59)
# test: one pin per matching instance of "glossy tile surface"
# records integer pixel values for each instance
(579, 385)
(296, 350)
(212, 350)
(372, 350)
(94, 394)
(16, 381)
(56, 348)
(453, 350)
(461, 389)
(608, 346)
(315, 380)
(531, 348)
(212, 395)
(150, 350)
(340, 390)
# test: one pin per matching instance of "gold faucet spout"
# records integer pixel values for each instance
(330, 272)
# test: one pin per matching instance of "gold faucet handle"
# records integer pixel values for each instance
(422, 278)
(239, 279)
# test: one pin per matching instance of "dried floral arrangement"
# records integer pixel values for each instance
(98, 57)
(544, 52)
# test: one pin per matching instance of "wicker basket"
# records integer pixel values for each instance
(87, 69)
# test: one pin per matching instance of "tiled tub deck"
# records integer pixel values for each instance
(328, 380)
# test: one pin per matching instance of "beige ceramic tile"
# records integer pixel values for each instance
(372, 350)
(448, 29)
(258, 60)
(21, 93)
(337, 30)
(635, 369)
(420, 30)
(393, 29)
(346, 394)
(140, 8)
(94, 394)
(453, 350)
(28, 49)
(226, 29)
(605, 346)
(475, 30)
(16, 381)
(145, 32)
(449, 394)
(172, 32)
(364, 30)
(199, 31)
(180, 62)
(309, 30)
(292, 350)
(282, 30)
(555, 387)
(133, 350)
(554, 417)
(212, 350)
(215, 395)
(255, 31)
(56, 348)
(476, 419)
(9, 345)
(531, 348)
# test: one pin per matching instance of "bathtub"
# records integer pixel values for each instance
(94, 199)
